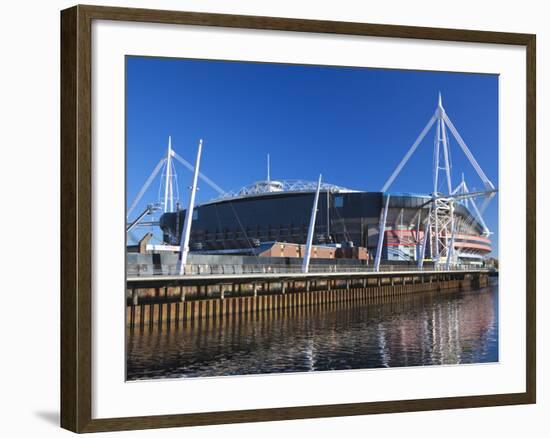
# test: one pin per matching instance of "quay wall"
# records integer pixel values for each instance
(187, 304)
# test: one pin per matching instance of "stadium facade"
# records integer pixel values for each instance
(279, 211)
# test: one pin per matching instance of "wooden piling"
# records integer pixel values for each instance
(173, 307)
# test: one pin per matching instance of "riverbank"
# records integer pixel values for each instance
(177, 305)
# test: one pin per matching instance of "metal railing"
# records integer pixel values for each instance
(206, 269)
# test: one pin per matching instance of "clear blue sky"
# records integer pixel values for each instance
(353, 125)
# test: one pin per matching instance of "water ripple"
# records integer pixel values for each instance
(422, 329)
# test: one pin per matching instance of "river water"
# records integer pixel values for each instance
(432, 328)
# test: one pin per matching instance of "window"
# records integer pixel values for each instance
(339, 201)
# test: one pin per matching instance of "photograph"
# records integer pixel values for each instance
(301, 218)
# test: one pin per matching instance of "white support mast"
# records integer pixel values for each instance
(436, 233)
(307, 255)
(168, 179)
(328, 215)
(443, 122)
(436, 157)
(451, 245)
(422, 255)
(441, 224)
(441, 142)
(446, 154)
(417, 239)
(381, 231)
(268, 169)
(186, 233)
(168, 192)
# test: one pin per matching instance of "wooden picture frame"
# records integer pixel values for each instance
(76, 199)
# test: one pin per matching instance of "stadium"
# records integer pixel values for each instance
(279, 211)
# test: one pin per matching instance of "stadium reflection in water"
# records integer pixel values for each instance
(423, 329)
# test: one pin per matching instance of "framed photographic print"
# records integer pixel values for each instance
(270, 218)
